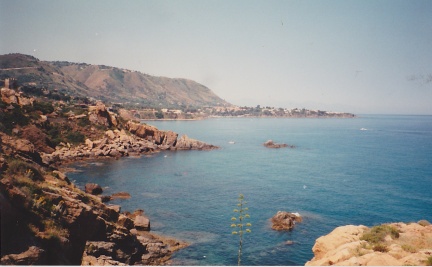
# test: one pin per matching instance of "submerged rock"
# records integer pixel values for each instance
(122, 195)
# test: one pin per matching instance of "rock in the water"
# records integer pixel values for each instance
(186, 143)
(122, 195)
(142, 223)
(93, 189)
(285, 220)
(271, 144)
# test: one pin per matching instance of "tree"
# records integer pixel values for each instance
(241, 224)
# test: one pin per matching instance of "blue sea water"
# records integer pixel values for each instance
(338, 174)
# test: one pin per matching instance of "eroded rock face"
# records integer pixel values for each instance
(151, 133)
(99, 114)
(10, 96)
(344, 246)
(284, 220)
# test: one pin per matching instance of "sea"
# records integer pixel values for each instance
(368, 170)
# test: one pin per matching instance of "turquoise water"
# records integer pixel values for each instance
(336, 175)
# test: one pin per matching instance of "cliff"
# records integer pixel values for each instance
(46, 219)
(393, 244)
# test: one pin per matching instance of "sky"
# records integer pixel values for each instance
(360, 56)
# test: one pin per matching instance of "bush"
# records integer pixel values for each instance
(75, 137)
(9, 119)
(409, 248)
(378, 233)
(44, 107)
(380, 248)
(429, 261)
(19, 167)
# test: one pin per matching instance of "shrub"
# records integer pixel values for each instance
(409, 248)
(19, 167)
(83, 122)
(9, 119)
(44, 107)
(53, 231)
(429, 261)
(380, 248)
(75, 137)
(378, 233)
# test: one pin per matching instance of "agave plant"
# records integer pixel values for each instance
(240, 224)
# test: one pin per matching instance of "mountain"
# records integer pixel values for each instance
(109, 84)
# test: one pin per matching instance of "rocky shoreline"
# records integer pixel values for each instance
(46, 219)
(140, 139)
(82, 229)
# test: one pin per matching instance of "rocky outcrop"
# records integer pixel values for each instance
(152, 134)
(99, 114)
(186, 143)
(114, 144)
(92, 188)
(69, 226)
(284, 220)
(349, 246)
(20, 148)
(10, 96)
(32, 256)
(118, 143)
(271, 144)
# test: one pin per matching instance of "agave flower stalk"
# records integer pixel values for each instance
(241, 223)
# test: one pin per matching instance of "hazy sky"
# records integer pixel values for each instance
(355, 56)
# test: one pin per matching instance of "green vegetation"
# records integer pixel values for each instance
(10, 116)
(378, 233)
(159, 115)
(17, 167)
(409, 248)
(240, 224)
(429, 261)
(75, 137)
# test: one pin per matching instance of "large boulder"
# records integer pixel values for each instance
(285, 220)
(93, 189)
(142, 223)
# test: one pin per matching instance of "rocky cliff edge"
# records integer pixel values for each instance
(394, 244)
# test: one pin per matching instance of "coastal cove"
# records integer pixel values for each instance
(368, 170)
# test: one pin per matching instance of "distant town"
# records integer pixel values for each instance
(233, 111)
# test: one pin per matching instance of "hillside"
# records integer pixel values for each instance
(108, 84)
